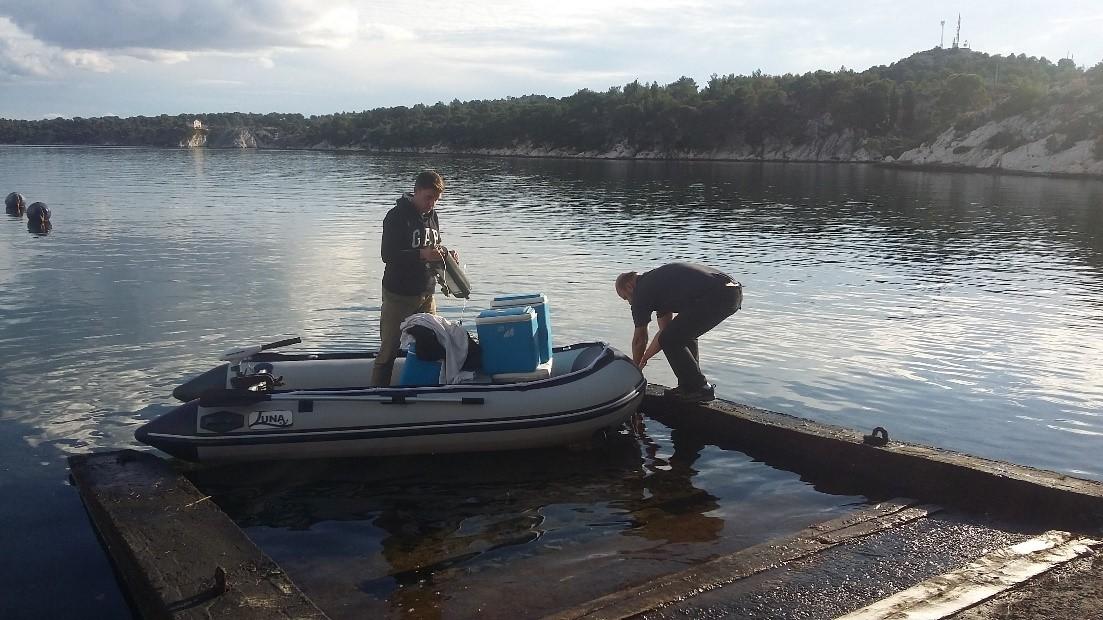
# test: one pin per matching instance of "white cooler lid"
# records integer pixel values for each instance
(512, 315)
(523, 299)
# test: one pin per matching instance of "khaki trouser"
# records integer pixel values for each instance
(396, 308)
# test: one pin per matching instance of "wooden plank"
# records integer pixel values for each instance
(724, 570)
(832, 455)
(176, 553)
(949, 593)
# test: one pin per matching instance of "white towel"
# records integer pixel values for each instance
(452, 336)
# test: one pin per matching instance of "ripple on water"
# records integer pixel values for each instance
(956, 310)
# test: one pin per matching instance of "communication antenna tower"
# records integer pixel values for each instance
(957, 35)
(942, 35)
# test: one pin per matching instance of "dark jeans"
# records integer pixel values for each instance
(679, 339)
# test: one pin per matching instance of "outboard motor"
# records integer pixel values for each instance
(14, 204)
(38, 218)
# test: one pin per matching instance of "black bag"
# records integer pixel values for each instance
(428, 348)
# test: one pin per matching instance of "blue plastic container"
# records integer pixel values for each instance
(418, 371)
(508, 339)
(539, 303)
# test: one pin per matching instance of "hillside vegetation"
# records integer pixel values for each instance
(885, 110)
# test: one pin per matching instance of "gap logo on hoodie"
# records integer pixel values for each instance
(424, 238)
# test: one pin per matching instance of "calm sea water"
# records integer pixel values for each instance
(957, 310)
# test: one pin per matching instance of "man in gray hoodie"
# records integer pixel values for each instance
(411, 244)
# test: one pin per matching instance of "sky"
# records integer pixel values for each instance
(125, 58)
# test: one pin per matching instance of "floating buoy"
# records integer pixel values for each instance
(14, 204)
(38, 218)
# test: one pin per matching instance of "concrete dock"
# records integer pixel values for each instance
(947, 535)
(176, 553)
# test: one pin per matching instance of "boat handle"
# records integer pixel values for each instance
(281, 343)
(410, 400)
(463, 400)
(397, 399)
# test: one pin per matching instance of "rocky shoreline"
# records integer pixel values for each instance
(1015, 145)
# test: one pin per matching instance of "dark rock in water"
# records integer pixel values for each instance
(38, 218)
(14, 204)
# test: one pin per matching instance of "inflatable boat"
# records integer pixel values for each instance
(262, 405)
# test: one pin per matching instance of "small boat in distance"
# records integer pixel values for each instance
(270, 406)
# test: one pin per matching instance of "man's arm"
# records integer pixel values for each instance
(652, 349)
(639, 342)
(656, 343)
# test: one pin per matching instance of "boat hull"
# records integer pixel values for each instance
(600, 389)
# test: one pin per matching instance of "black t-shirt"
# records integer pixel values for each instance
(405, 233)
(673, 288)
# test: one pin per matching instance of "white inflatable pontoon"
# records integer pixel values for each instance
(271, 406)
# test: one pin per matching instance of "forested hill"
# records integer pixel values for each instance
(841, 114)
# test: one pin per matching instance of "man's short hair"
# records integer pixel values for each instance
(429, 179)
(623, 279)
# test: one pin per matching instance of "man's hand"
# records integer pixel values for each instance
(431, 255)
(455, 256)
(652, 349)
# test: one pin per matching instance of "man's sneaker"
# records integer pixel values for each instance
(702, 394)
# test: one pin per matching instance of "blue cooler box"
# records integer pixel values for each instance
(539, 303)
(508, 339)
(418, 371)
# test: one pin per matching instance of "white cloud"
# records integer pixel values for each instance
(355, 54)
(166, 57)
(186, 25)
(335, 28)
(21, 55)
(92, 61)
(209, 82)
(386, 32)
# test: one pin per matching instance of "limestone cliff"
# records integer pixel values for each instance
(821, 142)
(196, 140)
(1051, 142)
(1042, 144)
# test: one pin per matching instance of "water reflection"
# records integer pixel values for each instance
(953, 309)
(873, 296)
(39, 228)
(52, 565)
(672, 509)
(440, 527)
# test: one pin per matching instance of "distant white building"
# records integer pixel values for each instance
(197, 124)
